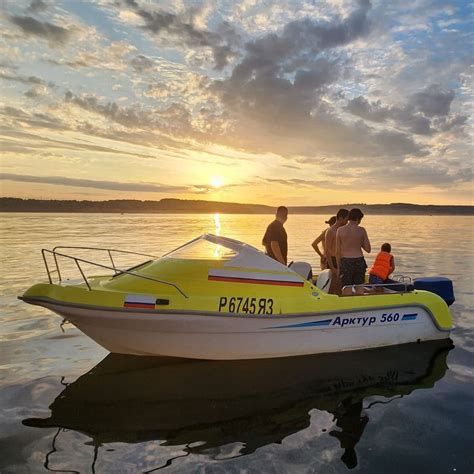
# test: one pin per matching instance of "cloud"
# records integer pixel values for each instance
(413, 174)
(276, 98)
(424, 113)
(374, 111)
(31, 27)
(35, 119)
(141, 63)
(296, 182)
(433, 101)
(37, 6)
(177, 26)
(90, 183)
(24, 80)
(30, 143)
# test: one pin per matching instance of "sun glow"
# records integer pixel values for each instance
(216, 182)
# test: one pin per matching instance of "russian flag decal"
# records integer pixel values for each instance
(139, 302)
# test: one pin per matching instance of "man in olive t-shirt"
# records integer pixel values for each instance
(275, 239)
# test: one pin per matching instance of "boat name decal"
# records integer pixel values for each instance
(358, 321)
(240, 304)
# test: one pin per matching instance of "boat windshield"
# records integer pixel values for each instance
(203, 250)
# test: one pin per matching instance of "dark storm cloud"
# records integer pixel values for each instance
(159, 22)
(54, 34)
(37, 6)
(90, 183)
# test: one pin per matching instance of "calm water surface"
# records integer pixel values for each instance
(66, 405)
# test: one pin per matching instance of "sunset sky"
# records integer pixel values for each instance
(288, 102)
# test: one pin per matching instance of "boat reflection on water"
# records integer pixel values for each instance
(208, 404)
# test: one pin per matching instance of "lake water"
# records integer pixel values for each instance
(66, 405)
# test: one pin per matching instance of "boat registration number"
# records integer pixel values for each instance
(240, 304)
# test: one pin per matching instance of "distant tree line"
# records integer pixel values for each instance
(183, 206)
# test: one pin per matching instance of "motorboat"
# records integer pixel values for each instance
(219, 298)
(129, 399)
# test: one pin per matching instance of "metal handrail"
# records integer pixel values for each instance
(117, 271)
(402, 278)
(375, 285)
(108, 250)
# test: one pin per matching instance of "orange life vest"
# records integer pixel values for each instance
(382, 265)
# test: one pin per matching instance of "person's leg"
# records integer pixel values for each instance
(358, 275)
(375, 280)
(346, 275)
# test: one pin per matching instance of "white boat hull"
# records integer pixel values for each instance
(231, 337)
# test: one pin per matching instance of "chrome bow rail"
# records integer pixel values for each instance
(114, 267)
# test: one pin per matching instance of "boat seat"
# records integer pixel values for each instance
(324, 280)
(303, 269)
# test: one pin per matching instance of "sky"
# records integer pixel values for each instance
(279, 103)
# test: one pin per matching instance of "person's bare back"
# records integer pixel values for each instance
(351, 239)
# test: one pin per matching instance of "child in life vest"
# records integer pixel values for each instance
(383, 266)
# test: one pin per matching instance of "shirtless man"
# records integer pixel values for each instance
(330, 238)
(350, 241)
(330, 247)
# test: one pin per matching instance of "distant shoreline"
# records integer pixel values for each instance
(182, 206)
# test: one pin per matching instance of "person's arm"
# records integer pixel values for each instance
(318, 240)
(366, 242)
(277, 251)
(392, 265)
(327, 245)
(338, 249)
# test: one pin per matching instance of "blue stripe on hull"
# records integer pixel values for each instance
(326, 322)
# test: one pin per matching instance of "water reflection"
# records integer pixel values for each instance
(205, 405)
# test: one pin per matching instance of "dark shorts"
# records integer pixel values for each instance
(353, 271)
(334, 262)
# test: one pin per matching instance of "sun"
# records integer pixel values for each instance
(216, 182)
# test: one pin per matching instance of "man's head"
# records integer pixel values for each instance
(386, 248)
(355, 215)
(282, 214)
(341, 216)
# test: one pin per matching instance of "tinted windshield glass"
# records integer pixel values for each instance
(203, 250)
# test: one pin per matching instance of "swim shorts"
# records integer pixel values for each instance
(353, 271)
